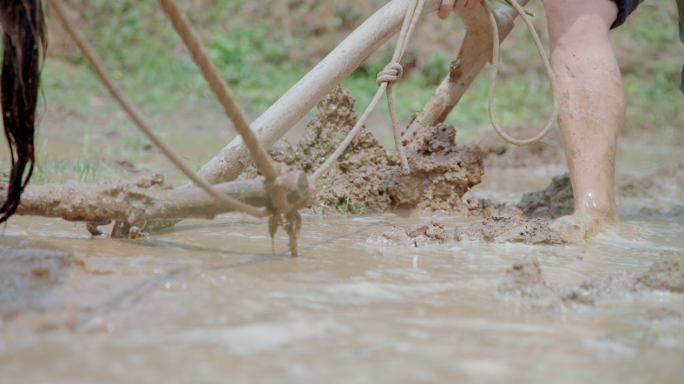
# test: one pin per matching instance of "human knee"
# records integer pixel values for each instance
(562, 14)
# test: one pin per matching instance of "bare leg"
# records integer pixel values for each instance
(592, 100)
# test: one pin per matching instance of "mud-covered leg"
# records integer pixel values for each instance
(592, 106)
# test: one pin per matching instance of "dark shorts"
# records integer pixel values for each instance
(625, 8)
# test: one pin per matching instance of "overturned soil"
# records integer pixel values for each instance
(368, 178)
(525, 280)
(500, 154)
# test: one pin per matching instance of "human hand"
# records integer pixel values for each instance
(448, 5)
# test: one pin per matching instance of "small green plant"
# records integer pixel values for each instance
(199, 164)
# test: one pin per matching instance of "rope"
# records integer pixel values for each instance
(495, 70)
(386, 78)
(89, 53)
(225, 97)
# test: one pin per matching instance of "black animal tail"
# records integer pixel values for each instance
(24, 40)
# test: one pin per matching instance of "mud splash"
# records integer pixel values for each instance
(500, 154)
(368, 178)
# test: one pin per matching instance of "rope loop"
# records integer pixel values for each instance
(391, 74)
(386, 78)
(495, 69)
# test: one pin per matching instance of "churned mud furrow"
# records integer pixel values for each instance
(368, 177)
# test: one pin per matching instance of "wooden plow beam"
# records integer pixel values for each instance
(142, 200)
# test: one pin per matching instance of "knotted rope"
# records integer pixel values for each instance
(495, 70)
(386, 78)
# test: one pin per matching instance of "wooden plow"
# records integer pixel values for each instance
(136, 203)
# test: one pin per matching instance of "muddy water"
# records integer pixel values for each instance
(208, 302)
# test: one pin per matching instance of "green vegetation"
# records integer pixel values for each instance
(261, 57)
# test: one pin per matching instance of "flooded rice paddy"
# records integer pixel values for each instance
(209, 302)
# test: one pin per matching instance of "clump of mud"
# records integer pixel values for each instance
(416, 235)
(554, 201)
(500, 154)
(524, 279)
(27, 276)
(368, 178)
(509, 226)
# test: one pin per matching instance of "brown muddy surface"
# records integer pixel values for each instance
(368, 178)
(209, 302)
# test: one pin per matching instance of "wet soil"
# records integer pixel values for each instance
(368, 178)
(209, 301)
(500, 154)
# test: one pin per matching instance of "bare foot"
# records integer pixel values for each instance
(578, 227)
(582, 225)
